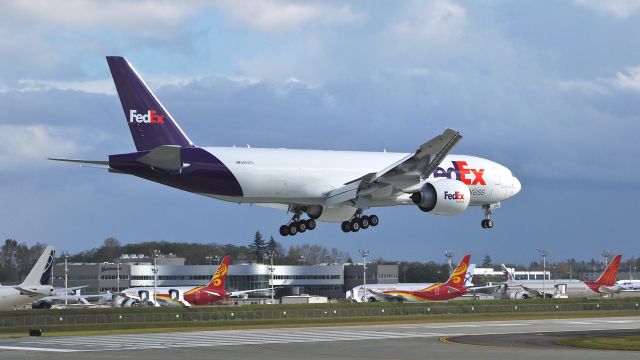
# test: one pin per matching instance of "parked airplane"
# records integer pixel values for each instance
(628, 284)
(72, 297)
(331, 186)
(451, 289)
(186, 295)
(375, 291)
(36, 285)
(524, 289)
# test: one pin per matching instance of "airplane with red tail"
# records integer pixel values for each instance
(562, 288)
(454, 287)
(213, 292)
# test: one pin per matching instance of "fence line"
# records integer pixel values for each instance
(38, 319)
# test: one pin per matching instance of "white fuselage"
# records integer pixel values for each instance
(307, 176)
(555, 288)
(11, 298)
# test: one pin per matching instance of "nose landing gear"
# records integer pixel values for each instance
(487, 223)
(359, 221)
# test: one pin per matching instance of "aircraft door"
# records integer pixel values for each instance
(561, 289)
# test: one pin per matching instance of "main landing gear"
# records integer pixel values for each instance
(358, 222)
(297, 225)
(487, 223)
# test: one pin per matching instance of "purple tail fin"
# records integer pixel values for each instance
(150, 123)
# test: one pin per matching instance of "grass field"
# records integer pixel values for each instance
(627, 343)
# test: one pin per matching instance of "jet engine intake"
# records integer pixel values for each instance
(443, 197)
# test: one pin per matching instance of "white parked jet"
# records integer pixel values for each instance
(35, 286)
(332, 186)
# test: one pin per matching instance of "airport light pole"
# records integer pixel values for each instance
(271, 269)
(364, 253)
(303, 260)
(210, 258)
(449, 255)
(117, 261)
(156, 254)
(605, 255)
(404, 273)
(66, 278)
(544, 254)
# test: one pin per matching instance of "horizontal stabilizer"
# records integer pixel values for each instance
(92, 162)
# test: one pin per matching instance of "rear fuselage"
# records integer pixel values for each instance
(12, 298)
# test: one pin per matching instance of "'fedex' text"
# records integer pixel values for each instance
(149, 118)
(464, 174)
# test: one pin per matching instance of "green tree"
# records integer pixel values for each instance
(258, 247)
(486, 262)
(8, 266)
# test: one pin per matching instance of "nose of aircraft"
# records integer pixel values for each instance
(516, 185)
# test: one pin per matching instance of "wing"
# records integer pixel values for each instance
(485, 289)
(27, 292)
(238, 293)
(405, 175)
(388, 296)
(531, 291)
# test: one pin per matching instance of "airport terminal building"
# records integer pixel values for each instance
(328, 280)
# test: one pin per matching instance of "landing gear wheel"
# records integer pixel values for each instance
(364, 222)
(355, 225)
(284, 230)
(373, 220)
(346, 226)
(489, 223)
(293, 230)
(302, 226)
(311, 224)
(483, 223)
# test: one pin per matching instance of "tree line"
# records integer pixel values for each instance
(17, 259)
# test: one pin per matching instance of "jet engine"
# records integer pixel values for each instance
(144, 295)
(175, 294)
(443, 197)
(519, 295)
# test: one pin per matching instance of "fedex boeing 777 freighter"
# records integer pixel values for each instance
(332, 186)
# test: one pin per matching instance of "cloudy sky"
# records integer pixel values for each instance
(550, 91)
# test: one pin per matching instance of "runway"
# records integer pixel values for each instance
(393, 341)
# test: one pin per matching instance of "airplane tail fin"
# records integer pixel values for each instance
(220, 276)
(456, 280)
(508, 276)
(40, 274)
(150, 123)
(468, 278)
(608, 277)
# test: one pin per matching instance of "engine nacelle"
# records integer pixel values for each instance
(144, 295)
(174, 294)
(443, 197)
(519, 295)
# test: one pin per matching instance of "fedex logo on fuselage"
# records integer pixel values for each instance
(463, 173)
(455, 196)
(151, 117)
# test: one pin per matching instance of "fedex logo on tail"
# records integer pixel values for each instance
(151, 117)
(463, 173)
